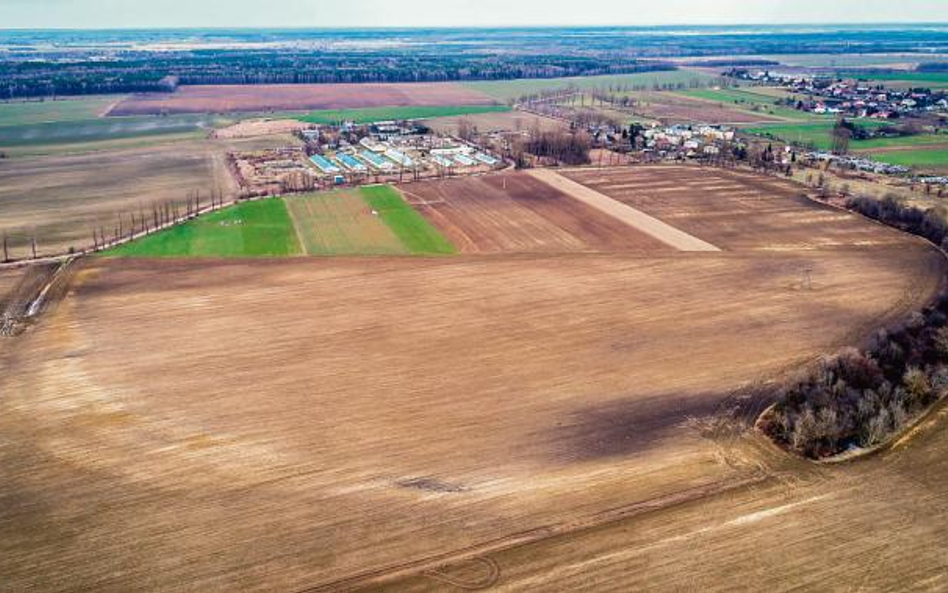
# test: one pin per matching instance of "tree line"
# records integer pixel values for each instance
(859, 398)
(151, 72)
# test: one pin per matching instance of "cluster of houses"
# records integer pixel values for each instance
(851, 98)
(855, 163)
(686, 141)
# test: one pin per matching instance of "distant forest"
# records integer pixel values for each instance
(147, 72)
(46, 63)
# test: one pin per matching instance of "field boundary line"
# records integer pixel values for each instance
(636, 219)
(304, 247)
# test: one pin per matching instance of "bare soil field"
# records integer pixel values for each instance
(525, 421)
(298, 97)
(677, 109)
(260, 127)
(509, 121)
(636, 219)
(516, 212)
(878, 525)
(732, 209)
(59, 199)
(291, 424)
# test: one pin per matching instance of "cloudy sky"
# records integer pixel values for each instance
(381, 13)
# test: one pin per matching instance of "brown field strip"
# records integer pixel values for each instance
(298, 97)
(767, 214)
(518, 213)
(635, 219)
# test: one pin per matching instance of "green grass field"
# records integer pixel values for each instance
(374, 114)
(917, 78)
(507, 90)
(341, 223)
(334, 223)
(17, 113)
(411, 228)
(919, 159)
(103, 129)
(248, 229)
(816, 134)
(750, 101)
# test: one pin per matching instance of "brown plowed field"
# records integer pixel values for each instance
(516, 212)
(298, 97)
(533, 421)
(733, 210)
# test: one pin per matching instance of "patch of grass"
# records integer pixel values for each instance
(341, 223)
(103, 129)
(909, 77)
(410, 227)
(18, 113)
(374, 114)
(934, 159)
(507, 90)
(816, 134)
(248, 229)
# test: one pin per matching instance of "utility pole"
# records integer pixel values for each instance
(33, 245)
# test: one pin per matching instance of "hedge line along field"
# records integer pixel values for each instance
(59, 199)
(247, 229)
(369, 115)
(372, 220)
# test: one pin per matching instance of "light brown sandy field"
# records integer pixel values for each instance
(332, 423)
(260, 127)
(58, 199)
(513, 121)
(289, 97)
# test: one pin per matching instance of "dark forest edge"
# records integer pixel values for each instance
(159, 73)
(857, 400)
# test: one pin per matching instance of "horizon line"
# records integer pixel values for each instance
(471, 28)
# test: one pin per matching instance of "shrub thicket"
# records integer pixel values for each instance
(860, 398)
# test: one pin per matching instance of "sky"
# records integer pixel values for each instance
(81, 14)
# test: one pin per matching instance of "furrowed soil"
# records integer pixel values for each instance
(523, 421)
(299, 97)
(60, 199)
(734, 210)
(516, 212)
